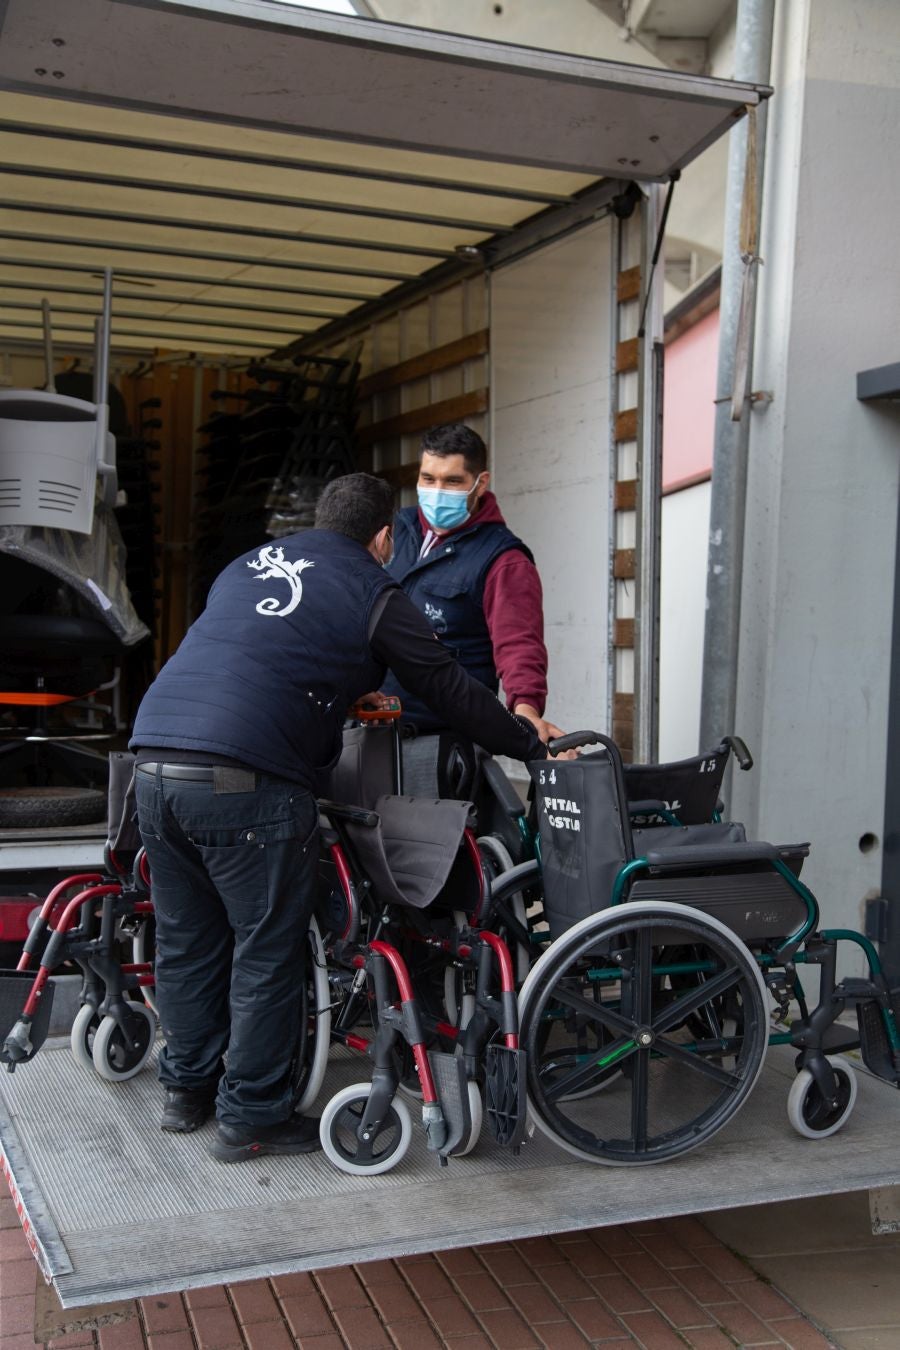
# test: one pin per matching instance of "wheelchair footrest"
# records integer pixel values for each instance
(504, 1094)
(449, 1075)
(874, 1043)
(22, 1037)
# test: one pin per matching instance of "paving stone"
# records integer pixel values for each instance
(394, 1302)
(620, 1295)
(361, 1329)
(644, 1271)
(702, 1285)
(589, 1259)
(593, 1318)
(121, 1336)
(616, 1241)
(272, 1336)
(667, 1251)
(744, 1325)
(560, 1336)
(19, 1277)
(536, 1304)
(307, 1315)
(342, 1288)
(508, 1267)
(708, 1338)
(13, 1246)
(460, 1261)
(507, 1330)
(163, 1313)
(682, 1310)
(254, 1302)
(16, 1314)
(451, 1317)
(292, 1286)
(564, 1282)
(172, 1340)
(483, 1292)
(765, 1301)
(802, 1335)
(539, 1251)
(428, 1280)
(215, 1327)
(415, 1334)
(214, 1296)
(725, 1265)
(652, 1332)
(689, 1231)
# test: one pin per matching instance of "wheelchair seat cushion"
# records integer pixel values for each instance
(409, 855)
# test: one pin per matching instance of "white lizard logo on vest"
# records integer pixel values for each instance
(435, 617)
(273, 559)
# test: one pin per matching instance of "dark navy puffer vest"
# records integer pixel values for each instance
(267, 672)
(447, 586)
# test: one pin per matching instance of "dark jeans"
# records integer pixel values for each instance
(233, 883)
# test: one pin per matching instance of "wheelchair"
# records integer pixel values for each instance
(91, 921)
(645, 1018)
(421, 983)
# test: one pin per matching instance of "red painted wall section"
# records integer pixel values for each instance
(688, 406)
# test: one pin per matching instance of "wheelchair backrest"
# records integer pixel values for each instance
(366, 768)
(689, 788)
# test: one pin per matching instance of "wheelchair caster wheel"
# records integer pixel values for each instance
(338, 1126)
(116, 1057)
(808, 1111)
(81, 1037)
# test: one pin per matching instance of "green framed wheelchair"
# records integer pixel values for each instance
(669, 950)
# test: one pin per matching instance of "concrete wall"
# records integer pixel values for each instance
(550, 437)
(823, 480)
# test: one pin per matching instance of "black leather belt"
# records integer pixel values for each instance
(192, 773)
(225, 778)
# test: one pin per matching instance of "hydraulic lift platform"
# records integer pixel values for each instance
(116, 1209)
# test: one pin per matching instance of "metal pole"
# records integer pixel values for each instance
(48, 346)
(752, 61)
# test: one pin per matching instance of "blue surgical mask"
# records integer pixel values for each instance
(445, 508)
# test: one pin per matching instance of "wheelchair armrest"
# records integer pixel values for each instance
(503, 790)
(698, 856)
(356, 814)
(646, 808)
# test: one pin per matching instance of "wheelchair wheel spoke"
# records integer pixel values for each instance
(676, 1013)
(594, 1012)
(640, 1092)
(699, 1063)
(583, 1075)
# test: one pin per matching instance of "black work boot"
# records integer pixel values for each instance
(234, 1143)
(185, 1109)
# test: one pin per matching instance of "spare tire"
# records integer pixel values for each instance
(30, 807)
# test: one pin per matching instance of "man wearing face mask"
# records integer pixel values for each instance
(472, 579)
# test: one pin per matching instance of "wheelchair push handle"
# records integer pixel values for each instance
(739, 750)
(573, 739)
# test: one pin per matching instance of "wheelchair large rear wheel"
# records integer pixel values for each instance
(616, 1071)
(315, 1024)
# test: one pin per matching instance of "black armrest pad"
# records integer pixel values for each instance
(503, 790)
(716, 856)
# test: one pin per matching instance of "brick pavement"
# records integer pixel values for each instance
(663, 1285)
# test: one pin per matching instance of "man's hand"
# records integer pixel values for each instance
(545, 730)
(376, 702)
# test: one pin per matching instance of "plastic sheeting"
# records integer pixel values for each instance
(93, 565)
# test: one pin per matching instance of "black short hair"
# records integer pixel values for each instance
(357, 505)
(455, 438)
